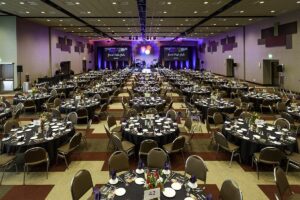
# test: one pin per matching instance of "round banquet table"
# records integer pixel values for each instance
(142, 83)
(147, 102)
(229, 88)
(100, 90)
(184, 84)
(215, 81)
(258, 98)
(21, 139)
(71, 105)
(144, 89)
(63, 88)
(162, 130)
(5, 113)
(251, 141)
(220, 105)
(39, 100)
(135, 191)
(79, 82)
(111, 83)
(190, 91)
(294, 112)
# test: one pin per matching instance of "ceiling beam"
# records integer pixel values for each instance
(214, 14)
(217, 26)
(57, 7)
(8, 13)
(157, 17)
(142, 15)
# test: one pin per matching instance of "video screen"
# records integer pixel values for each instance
(116, 54)
(176, 53)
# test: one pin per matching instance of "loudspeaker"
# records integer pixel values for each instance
(19, 68)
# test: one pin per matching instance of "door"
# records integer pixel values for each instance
(275, 73)
(84, 65)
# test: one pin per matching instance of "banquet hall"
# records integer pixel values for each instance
(149, 99)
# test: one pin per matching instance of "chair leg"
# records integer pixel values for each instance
(47, 169)
(182, 155)
(231, 159)
(24, 174)
(287, 167)
(2, 175)
(65, 158)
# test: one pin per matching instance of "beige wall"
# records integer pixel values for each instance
(33, 49)
(254, 53)
(76, 58)
(38, 54)
(8, 42)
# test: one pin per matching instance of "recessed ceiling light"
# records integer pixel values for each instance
(77, 3)
(205, 2)
(119, 12)
(124, 20)
(98, 20)
(298, 2)
(215, 24)
(72, 31)
(114, 3)
(61, 20)
(79, 28)
(195, 12)
(27, 12)
(85, 31)
(21, 2)
(108, 28)
(211, 33)
(48, 20)
(65, 28)
(261, 2)
(224, 19)
(241, 11)
(250, 19)
(161, 20)
(181, 24)
(88, 12)
(186, 20)
(236, 24)
(3, 3)
(165, 12)
(43, 12)
(272, 11)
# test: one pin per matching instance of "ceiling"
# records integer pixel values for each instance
(160, 19)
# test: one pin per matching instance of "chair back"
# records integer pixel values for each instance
(221, 140)
(211, 111)
(281, 181)
(117, 142)
(218, 118)
(75, 141)
(237, 112)
(178, 144)
(157, 158)
(131, 113)
(288, 117)
(17, 114)
(19, 106)
(118, 161)
(281, 106)
(53, 93)
(195, 166)
(282, 123)
(82, 112)
(88, 126)
(57, 102)
(97, 97)
(108, 133)
(172, 114)
(55, 113)
(230, 191)
(271, 155)
(245, 115)
(10, 124)
(35, 155)
(188, 123)
(81, 183)
(147, 145)
(152, 111)
(72, 116)
(111, 121)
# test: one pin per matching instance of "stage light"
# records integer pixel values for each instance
(147, 52)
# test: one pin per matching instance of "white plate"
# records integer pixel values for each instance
(139, 171)
(34, 137)
(256, 137)
(140, 133)
(120, 191)
(188, 198)
(192, 185)
(20, 143)
(54, 127)
(169, 192)
(166, 172)
(19, 132)
(49, 138)
(113, 182)
(158, 134)
(139, 181)
(68, 130)
(176, 186)
(5, 139)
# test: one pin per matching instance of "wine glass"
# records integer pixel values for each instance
(187, 189)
